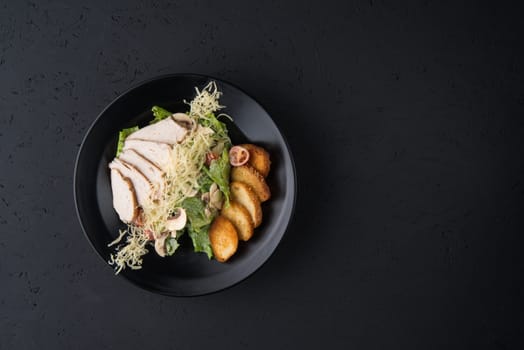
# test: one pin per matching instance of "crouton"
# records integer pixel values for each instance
(224, 238)
(243, 194)
(250, 176)
(258, 158)
(241, 219)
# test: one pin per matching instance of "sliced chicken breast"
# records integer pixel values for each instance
(142, 186)
(166, 131)
(124, 198)
(146, 167)
(156, 152)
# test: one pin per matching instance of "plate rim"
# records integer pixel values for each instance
(122, 95)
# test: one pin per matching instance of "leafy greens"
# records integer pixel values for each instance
(211, 121)
(171, 245)
(198, 225)
(218, 171)
(159, 113)
(122, 137)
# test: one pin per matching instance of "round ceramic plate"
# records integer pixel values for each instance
(186, 273)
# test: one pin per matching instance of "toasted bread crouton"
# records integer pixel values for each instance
(248, 175)
(258, 158)
(243, 194)
(241, 219)
(223, 238)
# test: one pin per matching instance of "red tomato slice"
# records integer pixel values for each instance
(210, 156)
(238, 156)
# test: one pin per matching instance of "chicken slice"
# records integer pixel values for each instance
(154, 174)
(166, 131)
(142, 186)
(156, 152)
(124, 198)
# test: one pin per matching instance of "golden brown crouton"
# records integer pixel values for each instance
(248, 175)
(223, 238)
(241, 219)
(258, 158)
(243, 194)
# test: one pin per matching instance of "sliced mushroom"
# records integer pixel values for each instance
(185, 121)
(215, 197)
(218, 148)
(205, 197)
(160, 244)
(177, 221)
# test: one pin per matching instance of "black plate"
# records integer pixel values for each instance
(186, 273)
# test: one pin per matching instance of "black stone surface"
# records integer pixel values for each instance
(406, 123)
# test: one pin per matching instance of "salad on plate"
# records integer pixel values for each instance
(181, 175)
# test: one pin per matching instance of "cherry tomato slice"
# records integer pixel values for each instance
(210, 156)
(238, 156)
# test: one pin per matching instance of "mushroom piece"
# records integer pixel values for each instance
(184, 120)
(215, 197)
(160, 244)
(205, 197)
(177, 221)
(218, 148)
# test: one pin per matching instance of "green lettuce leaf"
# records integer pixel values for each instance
(218, 171)
(195, 211)
(200, 238)
(122, 137)
(204, 182)
(198, 226)
(216, 125)
(171, 245)
(159, 113)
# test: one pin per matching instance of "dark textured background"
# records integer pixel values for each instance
(406, 123)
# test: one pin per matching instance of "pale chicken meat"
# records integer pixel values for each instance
(124, 199)
(143, 188)
(156, 152)
(138, 173)
(153, 173)
(166, 131)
